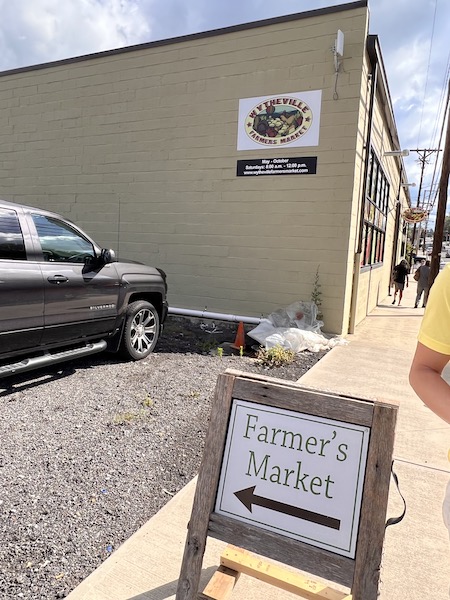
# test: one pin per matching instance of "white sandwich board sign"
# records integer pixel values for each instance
(295, 474)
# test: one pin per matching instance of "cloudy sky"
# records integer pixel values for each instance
(413, 35)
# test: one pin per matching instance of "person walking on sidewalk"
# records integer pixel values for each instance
(423, 287)
(400, 278)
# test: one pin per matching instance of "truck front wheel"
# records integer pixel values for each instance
(141, 330)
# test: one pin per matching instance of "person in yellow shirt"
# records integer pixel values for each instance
(432, 355)
(433, 349)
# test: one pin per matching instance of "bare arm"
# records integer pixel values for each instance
(425, 378)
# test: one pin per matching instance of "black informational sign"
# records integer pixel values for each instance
(277, 166)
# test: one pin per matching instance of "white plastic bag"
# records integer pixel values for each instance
(299, 314)
(299, 340)
(294, 328)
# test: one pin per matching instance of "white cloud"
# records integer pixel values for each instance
(48, 30)
(414, 42)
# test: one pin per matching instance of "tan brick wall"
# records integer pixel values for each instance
(139, 148)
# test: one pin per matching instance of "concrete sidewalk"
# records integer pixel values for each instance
(416, 560)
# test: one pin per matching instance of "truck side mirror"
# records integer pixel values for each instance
(108, 256)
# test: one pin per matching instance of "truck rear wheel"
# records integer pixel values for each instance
(141, 330)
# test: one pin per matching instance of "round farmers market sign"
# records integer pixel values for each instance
(278, 121)
(415, 215)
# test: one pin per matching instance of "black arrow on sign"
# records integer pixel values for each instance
(248, 498)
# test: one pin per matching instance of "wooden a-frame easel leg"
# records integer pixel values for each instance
(221, 584)
(234, 561)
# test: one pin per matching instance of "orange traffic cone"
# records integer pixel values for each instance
(240, 337)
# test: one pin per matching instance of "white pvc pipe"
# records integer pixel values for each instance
(203, 314)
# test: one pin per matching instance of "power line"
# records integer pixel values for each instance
(442, 205)
(441, 104)
(439, 145)
(428, 70)
(424, 155)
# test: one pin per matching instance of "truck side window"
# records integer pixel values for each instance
(60, 242)
(12, 246)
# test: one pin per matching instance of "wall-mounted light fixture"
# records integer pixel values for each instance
(338, 49)
(338, 53)
(397, 153)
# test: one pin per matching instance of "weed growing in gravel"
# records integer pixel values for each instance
(275, 357)
(130, 416)
(207, 345)
(220, 352)
(126, 417)
(147, 401)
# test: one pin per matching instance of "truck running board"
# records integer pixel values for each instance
(47, 359)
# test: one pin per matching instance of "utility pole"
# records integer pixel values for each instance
(442, 203)
(424, 154)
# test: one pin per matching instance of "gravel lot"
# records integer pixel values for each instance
(92, 449)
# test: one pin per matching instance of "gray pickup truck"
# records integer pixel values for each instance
(64, 297)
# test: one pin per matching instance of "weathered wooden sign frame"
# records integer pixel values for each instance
(361, 573)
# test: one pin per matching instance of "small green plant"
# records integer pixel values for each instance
(275, 357)
(147, 402)
(316, 294)
(131, 415)
(219, 352)
(126, 417)
(206, 346)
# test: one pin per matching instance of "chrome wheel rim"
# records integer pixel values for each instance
(143, 331)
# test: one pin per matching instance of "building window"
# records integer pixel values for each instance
(375, 213)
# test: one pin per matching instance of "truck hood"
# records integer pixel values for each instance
(133, 267)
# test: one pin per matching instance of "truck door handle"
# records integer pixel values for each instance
(57, 279)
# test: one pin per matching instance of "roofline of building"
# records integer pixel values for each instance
(374, 50)
(376, 58)
(192, 36)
